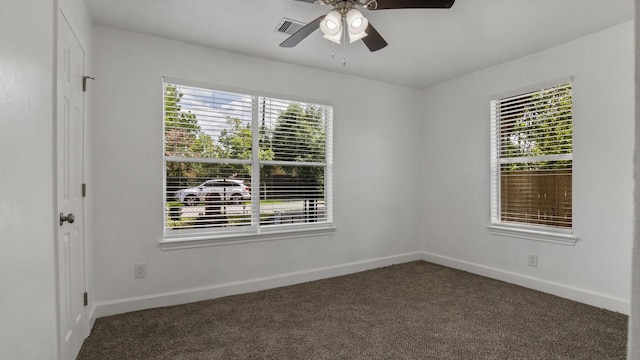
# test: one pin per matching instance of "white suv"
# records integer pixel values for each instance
(228, 190)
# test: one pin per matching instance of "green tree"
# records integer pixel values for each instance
(181, 128)
(236, 142)
(299, 136)
(184, 138)
(538, 124)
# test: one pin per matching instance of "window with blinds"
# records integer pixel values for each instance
(531, 158)
(240, 163)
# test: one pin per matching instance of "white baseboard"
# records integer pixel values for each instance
(91, 316)
(589, 297)
(119, 306)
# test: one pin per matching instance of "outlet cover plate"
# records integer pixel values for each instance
(140, 270)
(532, 260)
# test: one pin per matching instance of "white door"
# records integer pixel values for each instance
(70, 121)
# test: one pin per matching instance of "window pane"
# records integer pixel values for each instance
(292, 194)
(532, 150)
(203, 123)
(291, 131)
(211, 161)
(536, 193)
(202, 195)
(537, 124)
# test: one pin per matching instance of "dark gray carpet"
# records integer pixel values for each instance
(416, 310)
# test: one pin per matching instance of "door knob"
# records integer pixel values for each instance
(70, 218)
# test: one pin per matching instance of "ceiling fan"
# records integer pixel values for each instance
(345, 17)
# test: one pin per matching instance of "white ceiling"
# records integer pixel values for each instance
(426, 46)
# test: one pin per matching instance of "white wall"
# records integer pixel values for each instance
(27, 227)
(634, 320)
(375, 176)
(28, 299)
(456, 207)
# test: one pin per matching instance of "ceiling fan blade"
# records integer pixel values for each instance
(373, 40)
(309, 1)
(301, 34)
(410, 4)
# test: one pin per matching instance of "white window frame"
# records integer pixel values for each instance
(521, 230)
(185, 238)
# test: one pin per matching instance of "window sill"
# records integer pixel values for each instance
(533, 233)
(280, 234)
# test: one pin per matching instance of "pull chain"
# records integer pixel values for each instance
(344, 46)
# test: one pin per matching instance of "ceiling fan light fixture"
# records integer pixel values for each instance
(334, 38)
(356, 25)
(331, 26)
(356, 20)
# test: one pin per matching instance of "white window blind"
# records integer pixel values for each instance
(293, 152)
(531, 152)
(239, 163)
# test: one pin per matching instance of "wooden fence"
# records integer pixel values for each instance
(541, 197)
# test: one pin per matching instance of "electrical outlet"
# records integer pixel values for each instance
(140, 270)
(532, 260)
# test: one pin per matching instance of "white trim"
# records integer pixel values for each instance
(524, 230)
(526, 159)
(288, 163)
(119, 306)
(229, 239)
(206, 160)
(532, 233)
(91, 318)
(574, 293)
(328, 174)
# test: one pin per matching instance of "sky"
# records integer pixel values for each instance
(212, 108)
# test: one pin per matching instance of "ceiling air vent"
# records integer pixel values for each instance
(289, 26)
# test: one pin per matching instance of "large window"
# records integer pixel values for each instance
(531, 159)
(244, 164)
